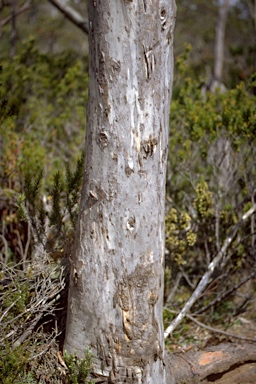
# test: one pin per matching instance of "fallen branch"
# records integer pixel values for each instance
(194, 367)
(206, 277)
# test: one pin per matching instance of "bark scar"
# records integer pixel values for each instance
(150, 61)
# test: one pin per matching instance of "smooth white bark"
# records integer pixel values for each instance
(116, 292)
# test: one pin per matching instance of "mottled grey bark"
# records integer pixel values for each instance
(116, 288)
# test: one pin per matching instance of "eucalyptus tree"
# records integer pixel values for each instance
(116, 287)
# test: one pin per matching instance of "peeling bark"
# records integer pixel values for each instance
(116, 289)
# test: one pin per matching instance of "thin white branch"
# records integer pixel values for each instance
(8, 309)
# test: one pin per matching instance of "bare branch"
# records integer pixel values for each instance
(226, 293)
(215, 330)
(45, 286)
(8, 309)
(28, 331)
(72, 15)
(22, 9)
(212, 329)
(206, 277)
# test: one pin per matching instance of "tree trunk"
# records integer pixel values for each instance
(13, 34)
(116, 288)
(224, 6)
(252, 9)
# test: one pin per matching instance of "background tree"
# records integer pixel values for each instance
(239, 39)
(219, 46)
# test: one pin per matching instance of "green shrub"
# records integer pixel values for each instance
(42, 102)
(13, 364)
(211, 178)
(78, 369)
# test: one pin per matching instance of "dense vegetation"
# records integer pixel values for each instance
(210, 183)
(210, 186)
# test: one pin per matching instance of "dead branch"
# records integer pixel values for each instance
(44, 289)
(8, 309)
(225, 294)
(215, 330)
(28, 331)
(206, 277)
(48, 341)
(4, 254)
(18, 11)
(71, 14)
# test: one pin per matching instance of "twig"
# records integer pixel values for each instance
(225, 294)
(45, 309)
(206, 277)
(190, 283)
(215, 330)
(174, 289)
(8, 309)
(8, 335)
(44, 351)
(22, 9)
(27, 245)
(217, 226)
(208, 257)
(28, 331)
(4, 259)
(45, 292)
